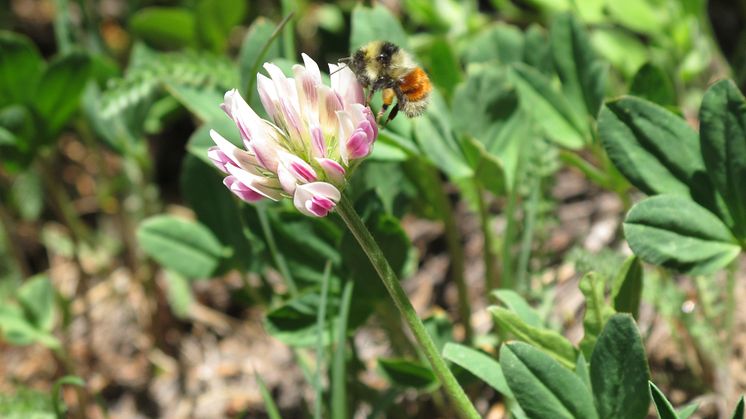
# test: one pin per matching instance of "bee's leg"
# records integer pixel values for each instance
(393, 113)
(388, 97)
(370, 96)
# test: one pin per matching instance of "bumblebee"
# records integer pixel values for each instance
(381, 65)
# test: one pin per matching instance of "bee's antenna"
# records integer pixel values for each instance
(344, 62)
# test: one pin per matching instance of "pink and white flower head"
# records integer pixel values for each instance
(316, 136)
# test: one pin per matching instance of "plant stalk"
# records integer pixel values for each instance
(461, 402)
(490, 268)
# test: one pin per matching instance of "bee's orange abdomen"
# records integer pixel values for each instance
(416, 85)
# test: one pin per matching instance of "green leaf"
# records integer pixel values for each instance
(27, 193)
(548, 340)
(17, 330)
(738, 412)
(186, 247)
(21, 67)
(538, 51)
(627, 288)
(723, 141)
(619, 371)
(339, 365)
(60, 89)
(662, 405)
(519, 306)
(675, 232)
(688, 410)
(408, 374)
(200, 140)
(654, 148)
(57, 404)
(269, 404)
(203, 102)
(481, 365)
(36, 297)
(216, 208)
(638, 15)
(597, 310)
(543, 387)
(581, 370)
(551, 110)
(165, 27)
(499, 44)
(216, 19)
(652, 83)
(442, 64)
(178, 293)
(582, 74)
(377, 23)
(625, 51)
(259, 34)
(488, 169)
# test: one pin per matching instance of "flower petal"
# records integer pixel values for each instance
(261, 185)
(240, 190)
(333, 170)
(316, 199)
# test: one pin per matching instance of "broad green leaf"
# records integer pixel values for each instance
(597, 310)
(581, 370)
(551, 110)
(538, 51)
(548, 340)
(582, 74)
(259, 34)
(216, 19)
(662, 405)
(723, 141)
(20, 68)
(186, 247)
(216, 208)
(627, 287)
(377, 23)
(638, 15)
(442, 65)
(738, 412)
(36, 297)
(675, 232)
(499, 44)
(60, 89)
(544, 388)
(483, 104)
(203, 102)
(652, 83)
(625, 51)
(519, 306)
(408, 374)
(481, 365)
(178, 293)
(619, 371)
(165, 27)
(655, 149)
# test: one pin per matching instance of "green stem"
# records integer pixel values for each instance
(339, 375)
(532, 206)
(730, 301)
(320, 319)
(490, 268)
(288, 34)
(463, 406)
(276, 255)
(62, 26)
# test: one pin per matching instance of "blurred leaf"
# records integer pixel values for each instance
(597, 310)
(442, 65)
(638, 15)
(513, 301)
(548, 340)
(200, 140)
(18, 331)
(25, 403)
(500, 43)
(655, 149)
(488, 170)
(481, 365)
(440, 329)
(165, 27)
(203, 102)
(738, 412)
(652, 83)
(259, 34)
(186, 247)
(408, 374)
(215, 19)
(688, 410)
(544, 388)
(339, 365)
(662, 405)
(60, 408)
(583, 75)
(538, 51)
(675, 232)
(550, 108)
(377, 23)
(269, 404)
(21, 67)
(178, 293)
(627, 288)
(723, 142)
(60, 89)
(619, 371)
(27, 193)
(623, 50)
(36, 297)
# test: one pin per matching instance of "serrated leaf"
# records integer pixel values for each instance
(662, 405)
(723, 142)
(675, 232)
(627, 287)
(597, 310)
(619, 371)
(543, 387)
(186, 247)
(548, 340)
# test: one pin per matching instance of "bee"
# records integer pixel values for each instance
(381, 65)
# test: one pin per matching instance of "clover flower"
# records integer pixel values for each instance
(316, 136)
